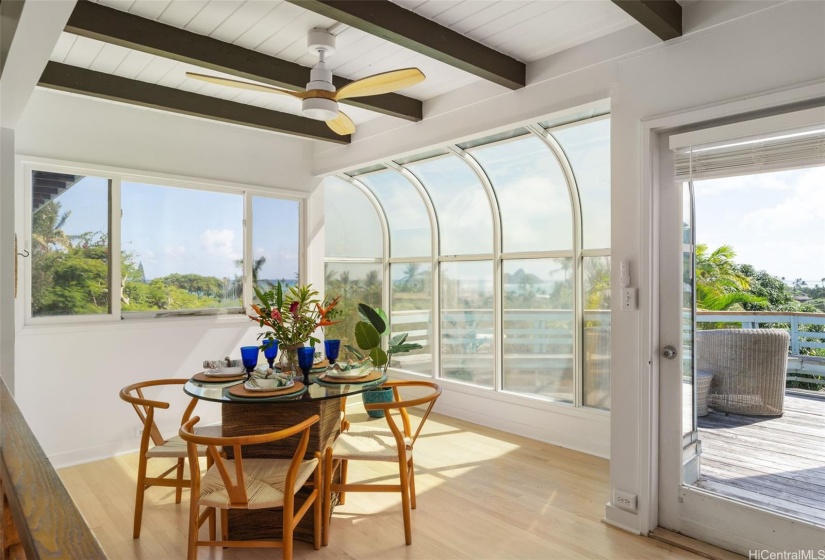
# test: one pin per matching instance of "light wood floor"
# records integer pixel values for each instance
(482, 494)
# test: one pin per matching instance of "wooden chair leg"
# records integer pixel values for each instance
(141, 489)
(319, 498)
(405, 502)
(342, 496)
(179, 477)
(289, 528)
(224, 524)
(212, 524)
(327, 491)
(411, 469)
(192, 543)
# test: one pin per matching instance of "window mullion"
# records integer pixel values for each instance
(115, 259)
(247, 250)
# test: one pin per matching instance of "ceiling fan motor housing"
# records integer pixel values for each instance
(319, 108)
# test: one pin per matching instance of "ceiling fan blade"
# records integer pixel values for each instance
(342, 124)
(244, 85)
(381, 83)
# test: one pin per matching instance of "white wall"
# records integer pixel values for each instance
(765, 46)
(68, 377)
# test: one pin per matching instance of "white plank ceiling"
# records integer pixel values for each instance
(524, 29)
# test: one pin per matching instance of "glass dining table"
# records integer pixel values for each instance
(251, 414)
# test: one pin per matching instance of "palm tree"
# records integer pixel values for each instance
(719, 283)
(47, 228)
(411, 273)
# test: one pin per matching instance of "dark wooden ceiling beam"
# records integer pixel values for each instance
(127, 30)
(662, 17)
(403, 27)
(73, 79)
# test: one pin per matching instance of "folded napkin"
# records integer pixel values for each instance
(270, 383)
(218, 367)
(225, 363)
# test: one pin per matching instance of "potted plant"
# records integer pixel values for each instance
(292, 317)
(368, 333)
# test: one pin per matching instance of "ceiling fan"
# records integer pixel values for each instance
(320, 100)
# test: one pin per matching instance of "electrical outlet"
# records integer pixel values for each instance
(139, 431)
(624, 500)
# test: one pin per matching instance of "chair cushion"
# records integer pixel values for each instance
(264, 478)
(368, 444)
(176, 447)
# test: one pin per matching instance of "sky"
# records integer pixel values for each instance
(176, 230)
(773, 221)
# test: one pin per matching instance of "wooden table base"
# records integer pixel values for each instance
(243, 419)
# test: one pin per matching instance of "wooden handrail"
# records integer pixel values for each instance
(44, 515)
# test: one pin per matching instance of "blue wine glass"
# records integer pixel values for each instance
(332, 347)
(270, 351)
(306, 357)
(249, 356)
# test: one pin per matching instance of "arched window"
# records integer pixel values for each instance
(506, 241)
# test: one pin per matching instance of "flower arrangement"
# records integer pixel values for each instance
(292, 316)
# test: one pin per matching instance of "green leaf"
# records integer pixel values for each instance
(279, 296)
(355, 352)
(400, 348)
(378, 357)
(374, 317)
(366, 336)
(398, 339)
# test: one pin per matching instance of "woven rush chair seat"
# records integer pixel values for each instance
(265, 481)
(175, 447)
(252, 484)
(749, 368)
(367, 443)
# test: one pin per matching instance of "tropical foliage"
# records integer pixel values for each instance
(368, 332)
(70, 275)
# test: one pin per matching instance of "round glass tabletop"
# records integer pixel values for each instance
(318, 389)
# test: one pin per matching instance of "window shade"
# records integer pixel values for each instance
(755, 155)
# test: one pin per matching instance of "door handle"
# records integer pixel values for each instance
(669, 352)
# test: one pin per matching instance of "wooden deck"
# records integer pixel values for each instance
(775, 463)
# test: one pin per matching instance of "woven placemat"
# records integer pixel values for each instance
(203, 378)
(240, 391)
(371, 376)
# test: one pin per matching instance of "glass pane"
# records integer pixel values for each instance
(532, 194)
(587, 147)
(70, 244)
(407, 216)
(538, 327)
(412, 304)
(688, 310)
(464, 216)
(355, 283)
(351, 225)
(596, 332)
(275, 248)
(467, 322)
(181, 248)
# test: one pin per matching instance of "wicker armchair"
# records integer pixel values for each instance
(749, 367)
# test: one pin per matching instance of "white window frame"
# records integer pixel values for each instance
(25, 165)
(498, 257)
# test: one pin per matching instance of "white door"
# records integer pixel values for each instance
(684, 508)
